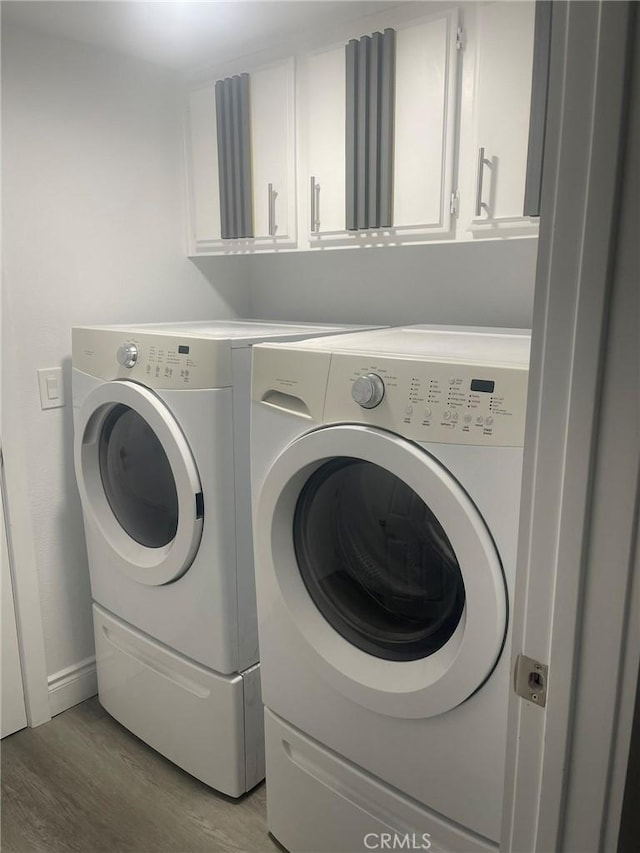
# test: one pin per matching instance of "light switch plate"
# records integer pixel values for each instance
(51, 388)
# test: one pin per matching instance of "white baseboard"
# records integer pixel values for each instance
(72, 685)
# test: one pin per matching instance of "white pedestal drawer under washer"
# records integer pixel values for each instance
(161, 421)
(386, 472)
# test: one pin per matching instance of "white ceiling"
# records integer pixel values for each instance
(183, 35)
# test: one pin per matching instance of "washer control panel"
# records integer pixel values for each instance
(449, 402)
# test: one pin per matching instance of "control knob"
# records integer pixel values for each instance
(127, 355)
(368, 390)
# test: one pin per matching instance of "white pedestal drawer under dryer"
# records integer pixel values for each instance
(161, 419)
(386, 472)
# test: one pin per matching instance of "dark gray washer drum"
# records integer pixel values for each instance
(376, 561)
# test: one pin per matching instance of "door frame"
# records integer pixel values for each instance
(18, 709)
(566, 763)
(26, 590)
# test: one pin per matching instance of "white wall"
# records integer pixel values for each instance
(486, 283)
(93, 218)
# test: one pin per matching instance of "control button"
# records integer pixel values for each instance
(452, 381)
(127, 355)
(427, 414)
(479, 420)
(489, 421)
(454, 416)
(408, 410)
(467, 419)
(368, 390)
(446, 416)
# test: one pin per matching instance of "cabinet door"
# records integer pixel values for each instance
(426, 66)
(273, 152)
(272, 110)
(504, 63)
(423, 136)
(202, 157)
(325, 96)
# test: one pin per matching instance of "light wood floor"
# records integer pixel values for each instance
(84, 783)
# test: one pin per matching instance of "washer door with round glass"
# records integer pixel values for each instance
(138, 481)
(386, 568)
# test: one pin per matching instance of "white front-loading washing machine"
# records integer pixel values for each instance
(161, 421)
(386, 473)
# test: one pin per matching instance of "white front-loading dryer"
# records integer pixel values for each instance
(386, 472)
(161, 421)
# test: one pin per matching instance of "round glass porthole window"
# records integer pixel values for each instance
(376, 561)
(137, 478)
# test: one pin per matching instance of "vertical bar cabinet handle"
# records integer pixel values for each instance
(479, 177)
(314, 217)
(272, 227)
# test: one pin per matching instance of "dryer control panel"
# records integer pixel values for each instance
(155, 360)
(454, 403)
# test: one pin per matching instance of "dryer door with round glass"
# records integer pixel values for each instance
(139, 482)
(386, 567)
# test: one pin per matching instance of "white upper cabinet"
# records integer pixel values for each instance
(202, 160)
(426, 73)
(327, 166)
(272, 160)
(323, 84)
(273, 154)
(424, 110)
(495, 116)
